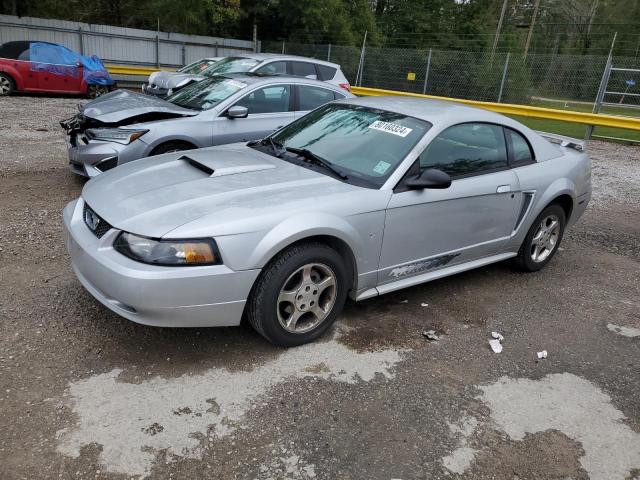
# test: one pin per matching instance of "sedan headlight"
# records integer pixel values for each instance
(168, 252)
(118, 135)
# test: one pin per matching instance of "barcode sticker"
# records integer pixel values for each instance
(392, 128)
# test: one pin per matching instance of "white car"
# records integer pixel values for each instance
(165, 83)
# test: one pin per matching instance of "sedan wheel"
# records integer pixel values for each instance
(6, 85)
(299, 294)
(543, 239)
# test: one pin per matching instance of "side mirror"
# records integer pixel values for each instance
(430, 178)
(237, 112)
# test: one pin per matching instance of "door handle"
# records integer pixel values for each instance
(503, 189)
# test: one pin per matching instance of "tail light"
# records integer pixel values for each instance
(346, 86)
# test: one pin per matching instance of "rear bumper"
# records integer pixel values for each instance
(205, 296)
(579, 208)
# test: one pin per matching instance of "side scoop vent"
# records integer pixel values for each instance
(527, 199)
(200, 166)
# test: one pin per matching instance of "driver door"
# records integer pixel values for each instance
(270, 107)
(430, 229)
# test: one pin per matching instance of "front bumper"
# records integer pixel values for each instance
(207, 296)
(91, 158)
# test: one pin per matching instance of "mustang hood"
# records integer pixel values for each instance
(172, 79)
(121, 105)
(223, 190)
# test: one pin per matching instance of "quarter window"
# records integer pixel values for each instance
(312, 97)
(326, 72)
(466, 149)
(304, 69)
(520, 149)
(271, 99)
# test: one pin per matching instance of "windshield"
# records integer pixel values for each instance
(366, 144)
(206, 94)
(197, 68)
(231, 65)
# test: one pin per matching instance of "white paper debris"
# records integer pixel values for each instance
(497, 336)
(424, 304)
(496, 346)
(430, 334)
(404, 301)
(542, 354)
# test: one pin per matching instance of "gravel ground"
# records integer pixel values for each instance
(86, 394)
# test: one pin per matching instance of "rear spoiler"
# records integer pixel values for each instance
(563, 141)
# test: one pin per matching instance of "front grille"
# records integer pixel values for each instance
(94, 222)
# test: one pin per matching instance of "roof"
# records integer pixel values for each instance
(279, 56)
(443, 114)
(254, 78)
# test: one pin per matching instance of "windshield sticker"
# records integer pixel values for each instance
(381, 167)
(237, 84)
(393, 128)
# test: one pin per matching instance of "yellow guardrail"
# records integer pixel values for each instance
(131, 70)
(595, 119)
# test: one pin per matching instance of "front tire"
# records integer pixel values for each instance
(171, 147)
(298, 295)
(7, 86)
(542, 240)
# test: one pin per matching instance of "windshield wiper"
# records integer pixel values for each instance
(312, 157)
(276, 147)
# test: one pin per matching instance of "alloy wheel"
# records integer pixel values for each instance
(306, 298)
(5, 86)
(545, 239)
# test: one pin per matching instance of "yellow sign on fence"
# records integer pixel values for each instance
(411, 76)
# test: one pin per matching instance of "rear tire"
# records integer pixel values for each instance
(95, 91)
(7, 85)
(298, 295)
(171, 147)
(542, 240)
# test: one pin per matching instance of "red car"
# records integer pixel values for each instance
(47, 67)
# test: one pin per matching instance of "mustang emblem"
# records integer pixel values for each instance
(91, 219)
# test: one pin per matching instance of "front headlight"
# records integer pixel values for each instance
(118, 135)
(168, 252)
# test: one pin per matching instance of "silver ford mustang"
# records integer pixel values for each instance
(360, 197)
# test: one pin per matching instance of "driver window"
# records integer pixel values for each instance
(466, 149)
(271, 99)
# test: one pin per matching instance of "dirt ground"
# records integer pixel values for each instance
(87, 394)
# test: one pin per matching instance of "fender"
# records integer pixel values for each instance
(302, 226)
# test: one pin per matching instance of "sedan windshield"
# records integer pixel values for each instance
(231, 65)
(197, 68)
(364, 144)
(206, 94)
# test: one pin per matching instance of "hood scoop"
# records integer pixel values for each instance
(223, 165)
(200, 166)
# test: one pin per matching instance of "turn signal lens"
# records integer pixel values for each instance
(198, 253)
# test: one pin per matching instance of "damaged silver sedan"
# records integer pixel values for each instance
(123, 126)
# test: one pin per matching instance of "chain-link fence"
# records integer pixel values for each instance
(501, 77)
